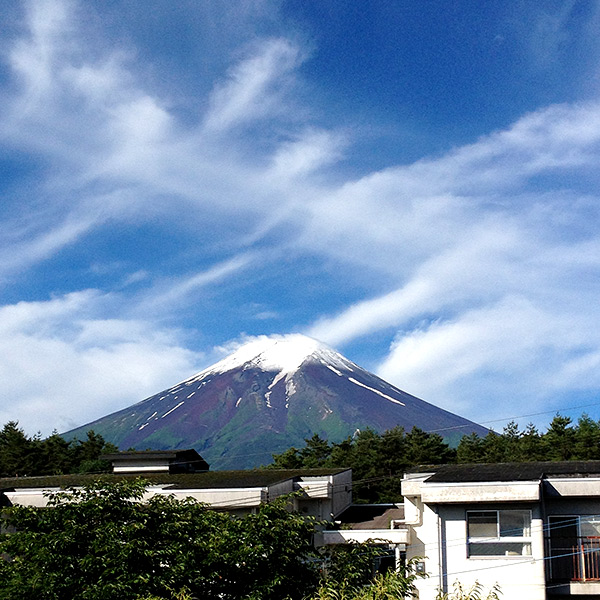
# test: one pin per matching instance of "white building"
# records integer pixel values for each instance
(532, 528)
(322, 493)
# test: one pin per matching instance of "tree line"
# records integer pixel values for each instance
(378, 461)
(21, 455)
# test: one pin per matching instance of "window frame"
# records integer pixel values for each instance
(525, 541)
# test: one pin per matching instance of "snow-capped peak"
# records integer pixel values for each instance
(280, 353)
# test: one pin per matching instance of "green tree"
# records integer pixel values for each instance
(559, 440)
(350, 566)
(471, 449)
(424, 448)
(587, 439)
(53, 456)
(342, 453)
(16, 451)
(495, 447)
(289, 459)
(378, 461)
(368, 471)
(21, 455)
(531, 444)
(103, 542)
(512, 447)
(315, 453)
(87, 454)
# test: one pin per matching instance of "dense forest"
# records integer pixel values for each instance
(379, 460)
(21, 455)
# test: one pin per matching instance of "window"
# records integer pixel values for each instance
(499, 533)
(589, 526)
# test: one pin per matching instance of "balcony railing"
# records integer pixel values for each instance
(574, 559)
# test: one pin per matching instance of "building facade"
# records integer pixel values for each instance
(531, 528)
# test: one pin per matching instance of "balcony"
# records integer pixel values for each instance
(574, 565)
(361, 536)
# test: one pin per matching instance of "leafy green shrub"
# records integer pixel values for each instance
(475, 592)
(102, 542)
(393, 585)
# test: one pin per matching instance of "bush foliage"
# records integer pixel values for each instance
(113, 540)
(103, 542)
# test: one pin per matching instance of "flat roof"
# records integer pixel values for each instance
(129, 454)
(203, 480)
(528, 471)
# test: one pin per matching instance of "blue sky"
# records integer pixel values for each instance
(413, 183)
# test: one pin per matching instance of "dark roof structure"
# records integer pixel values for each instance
(203, 480)
(371, 516)
(179, 461)
(529, 471)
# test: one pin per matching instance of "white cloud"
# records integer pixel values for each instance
(548, 34)
(64, 364)
(167, 295)
(503, 359)
(312, 150)
(254, 86)
(497, 268)
(29, 251)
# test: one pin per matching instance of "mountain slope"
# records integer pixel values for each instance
(271, 394)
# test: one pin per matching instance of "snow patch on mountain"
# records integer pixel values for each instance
(352, 380)
(290, 388)
(170, 411)
(336, 371)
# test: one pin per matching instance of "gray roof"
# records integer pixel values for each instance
(530, 471)
(203, 480)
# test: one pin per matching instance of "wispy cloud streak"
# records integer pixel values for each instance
(479, 264)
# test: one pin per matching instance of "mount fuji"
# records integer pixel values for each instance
(270, 394)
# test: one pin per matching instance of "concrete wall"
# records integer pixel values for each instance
(223, 498)
(441, 540)
(281, 488)
(325, 496)
(573, 506)
(33, 497)
(360, 536)
(481, 492)
(342, 492)
(141, 466)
